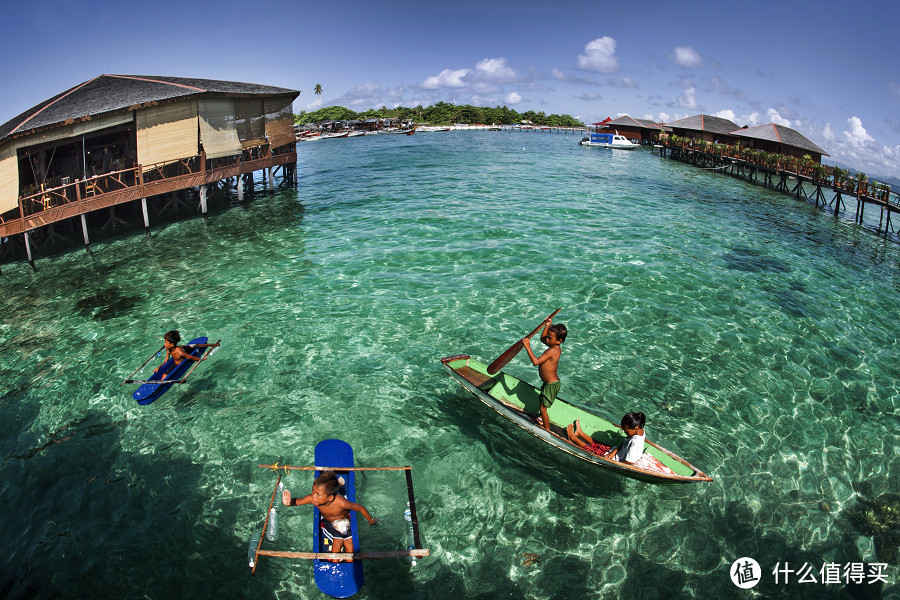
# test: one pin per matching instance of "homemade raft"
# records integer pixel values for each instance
(154, 387)
(336, 579)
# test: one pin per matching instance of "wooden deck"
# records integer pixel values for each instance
(81, 197)
(790, 182)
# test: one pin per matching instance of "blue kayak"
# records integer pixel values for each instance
(343, 579)
(149, 392)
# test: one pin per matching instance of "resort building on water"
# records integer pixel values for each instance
(768, 138)
(121, 139)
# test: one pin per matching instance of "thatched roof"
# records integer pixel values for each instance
(706, 123)
(627, 121)
(117, 93)
(781, 135)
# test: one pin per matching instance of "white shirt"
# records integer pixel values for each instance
(631, 449)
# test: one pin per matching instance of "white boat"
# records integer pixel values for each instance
(609, 140)
(356, 133)
(329, 136)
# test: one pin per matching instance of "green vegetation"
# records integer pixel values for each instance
(441, 113)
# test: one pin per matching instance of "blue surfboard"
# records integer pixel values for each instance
(338, 580)
(149, 392)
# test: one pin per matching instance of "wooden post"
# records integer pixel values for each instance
(87, 240)
(203, 199)
(146, 216)
(271, 183)
(28, 252)
(240, 187)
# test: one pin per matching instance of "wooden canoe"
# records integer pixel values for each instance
(149, 392)
(518, 401)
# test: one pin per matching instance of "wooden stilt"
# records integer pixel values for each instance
(271, 182)
(87, 240)
(240, 188)
(146, 217)
(28, 252)
(203, 201)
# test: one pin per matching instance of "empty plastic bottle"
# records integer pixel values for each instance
(251, 549)
(410, 535)
(272, 529)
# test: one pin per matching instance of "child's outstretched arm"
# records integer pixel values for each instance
(362, 510)
(287, 500)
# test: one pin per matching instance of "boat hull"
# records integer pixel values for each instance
(150, 392)
(338, 580)
(518, 401)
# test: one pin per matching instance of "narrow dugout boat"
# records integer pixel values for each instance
(518, 401)
(151, 388)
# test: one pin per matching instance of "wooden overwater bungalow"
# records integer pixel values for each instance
(121, 139)
(705, 127)
(640, 131)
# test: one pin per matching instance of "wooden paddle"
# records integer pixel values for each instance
(514, 349)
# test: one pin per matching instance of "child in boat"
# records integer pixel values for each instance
(627, 452)
(334, 508)
(179, 353)
(552, 336)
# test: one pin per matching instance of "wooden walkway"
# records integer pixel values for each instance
(821, 190)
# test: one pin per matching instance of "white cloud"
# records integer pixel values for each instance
(752, 119)
(895, 91)
(686, 56)
(512, 98)
(558, 75)
(725, 114)
(446, 78)
(688, 99)
(599, 55)
(856, 133)
(494, 68)
(775, 117)
(827, 133)
(312, 106)
(624, 82)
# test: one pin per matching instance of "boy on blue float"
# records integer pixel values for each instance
(552, 336)
(334, 510)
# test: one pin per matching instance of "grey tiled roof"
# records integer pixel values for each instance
(706, 123)
(780, 134)
(111, 93)
(627, 121)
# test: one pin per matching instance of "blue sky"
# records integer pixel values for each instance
(827, 69)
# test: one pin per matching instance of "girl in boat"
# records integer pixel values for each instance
(178, 353)
(627, 452)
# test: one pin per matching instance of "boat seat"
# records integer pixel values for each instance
(482, 381)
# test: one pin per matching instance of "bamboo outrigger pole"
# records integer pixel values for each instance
(415, 552)
(183, 379)
(265, 524)
(287, 468)
(152, 356)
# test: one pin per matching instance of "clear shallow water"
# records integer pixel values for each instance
(757, 333)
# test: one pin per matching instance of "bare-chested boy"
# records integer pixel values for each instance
(334, 509)
(552, 336)
(178, 353)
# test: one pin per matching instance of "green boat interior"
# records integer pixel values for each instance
(523, 397)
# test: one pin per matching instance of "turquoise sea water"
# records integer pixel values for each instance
(758, 334)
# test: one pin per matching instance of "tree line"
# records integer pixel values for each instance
(442, 113)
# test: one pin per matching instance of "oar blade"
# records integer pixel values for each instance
(505, 358)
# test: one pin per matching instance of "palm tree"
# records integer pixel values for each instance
(318, 89)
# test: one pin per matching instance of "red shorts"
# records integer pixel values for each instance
(598, 449)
